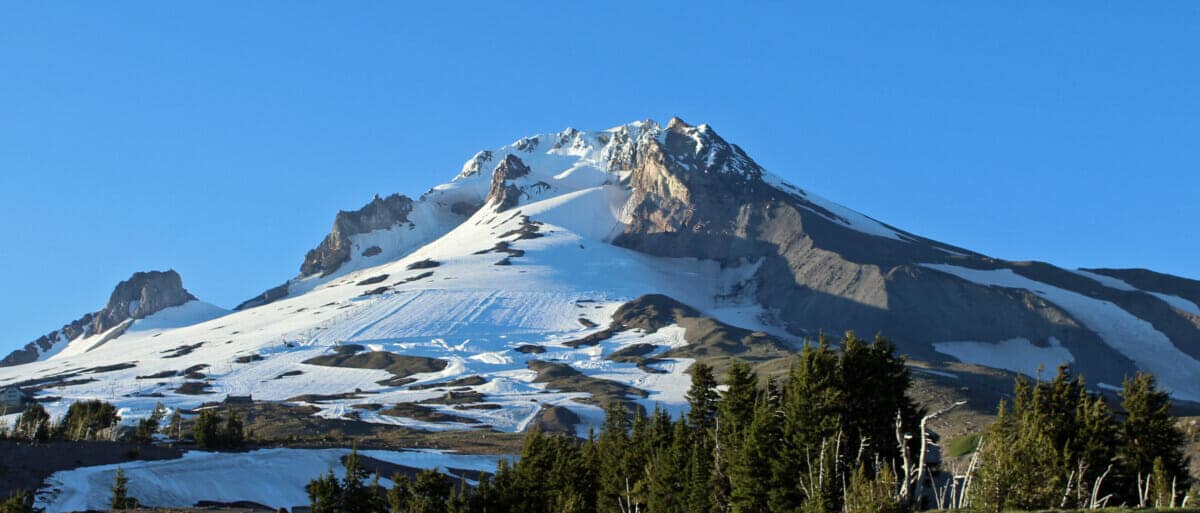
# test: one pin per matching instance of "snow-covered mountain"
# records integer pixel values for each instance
(568, 269)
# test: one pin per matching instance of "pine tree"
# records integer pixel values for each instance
(702, 397)
(400, 492)
(612, 447)
(233, 436)
(872, 384)
(20, 501)
(699, 476)
(356, 496)
(85, 420)
(1150, 433)
(145, 429)
(34, 423)
(872, 491)
(430, 492)
(811, 403)
(734, 416)
(750, 474)
(325, 494)
(206, 430)
(175, 426)
(120, 492)
(666, 491)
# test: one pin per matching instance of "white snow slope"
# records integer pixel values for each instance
(473, 314)
(271, 477)
(469, 312)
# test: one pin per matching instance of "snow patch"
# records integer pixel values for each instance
(1017, 355)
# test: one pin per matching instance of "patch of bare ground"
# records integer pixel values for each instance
(399, 365)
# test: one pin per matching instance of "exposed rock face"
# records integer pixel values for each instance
(142, 295)
(270, 295)
(379, 214)
(695, 195)
(81, 327)
(502, 193)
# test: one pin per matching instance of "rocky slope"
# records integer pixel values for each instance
(142, 295)
(570, 268)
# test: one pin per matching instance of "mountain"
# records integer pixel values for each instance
(570, 269)
(142, 296)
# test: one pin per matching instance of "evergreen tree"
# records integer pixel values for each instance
(120, 492)
(1150, 433)
(148, 426)
(325, 494)
(665, 491)
(145, 429)
(612, 446)
(206, 430)
(430, 492)
(872, 491)
(398, 495)
(34, 423)
(872, 383)
(702, 397)
(750, 475)
(20, 501)
(233, 436)
(356, 496)
(812, 398)
(86, 420)
(700, 493)
(734, 416)
(175, 426)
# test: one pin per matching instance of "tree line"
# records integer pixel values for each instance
(92, 420)
(838, 433)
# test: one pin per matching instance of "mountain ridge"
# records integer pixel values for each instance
(535, 246)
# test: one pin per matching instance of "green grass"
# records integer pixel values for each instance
(965, 444)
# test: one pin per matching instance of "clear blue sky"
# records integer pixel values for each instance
(221, 140)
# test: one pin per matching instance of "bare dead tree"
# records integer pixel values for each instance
(1067, 492)
(627, 505)
(925, 442)
(964, 497)
(1096, 502)
(906, 467)
(1143, 491)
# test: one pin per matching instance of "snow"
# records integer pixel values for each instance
(1133, 337)
(272, 477)
(470, 313)
(843, 215)
(187, 314)
(1178, 302)
(1114, 283)
(943, 374)
(1017, 354)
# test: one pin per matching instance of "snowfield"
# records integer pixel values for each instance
(1121, 330)
(562, 284)
(470, 291)
(271, 477)
(1017, 355)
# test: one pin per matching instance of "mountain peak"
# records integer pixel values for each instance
(140, 296)
(143, 294)
(379, 214)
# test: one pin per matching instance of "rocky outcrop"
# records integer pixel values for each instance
(271, 295)
(142, 295)
(81, 327)
(502, 193)
(824, 268)
(379, 214)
